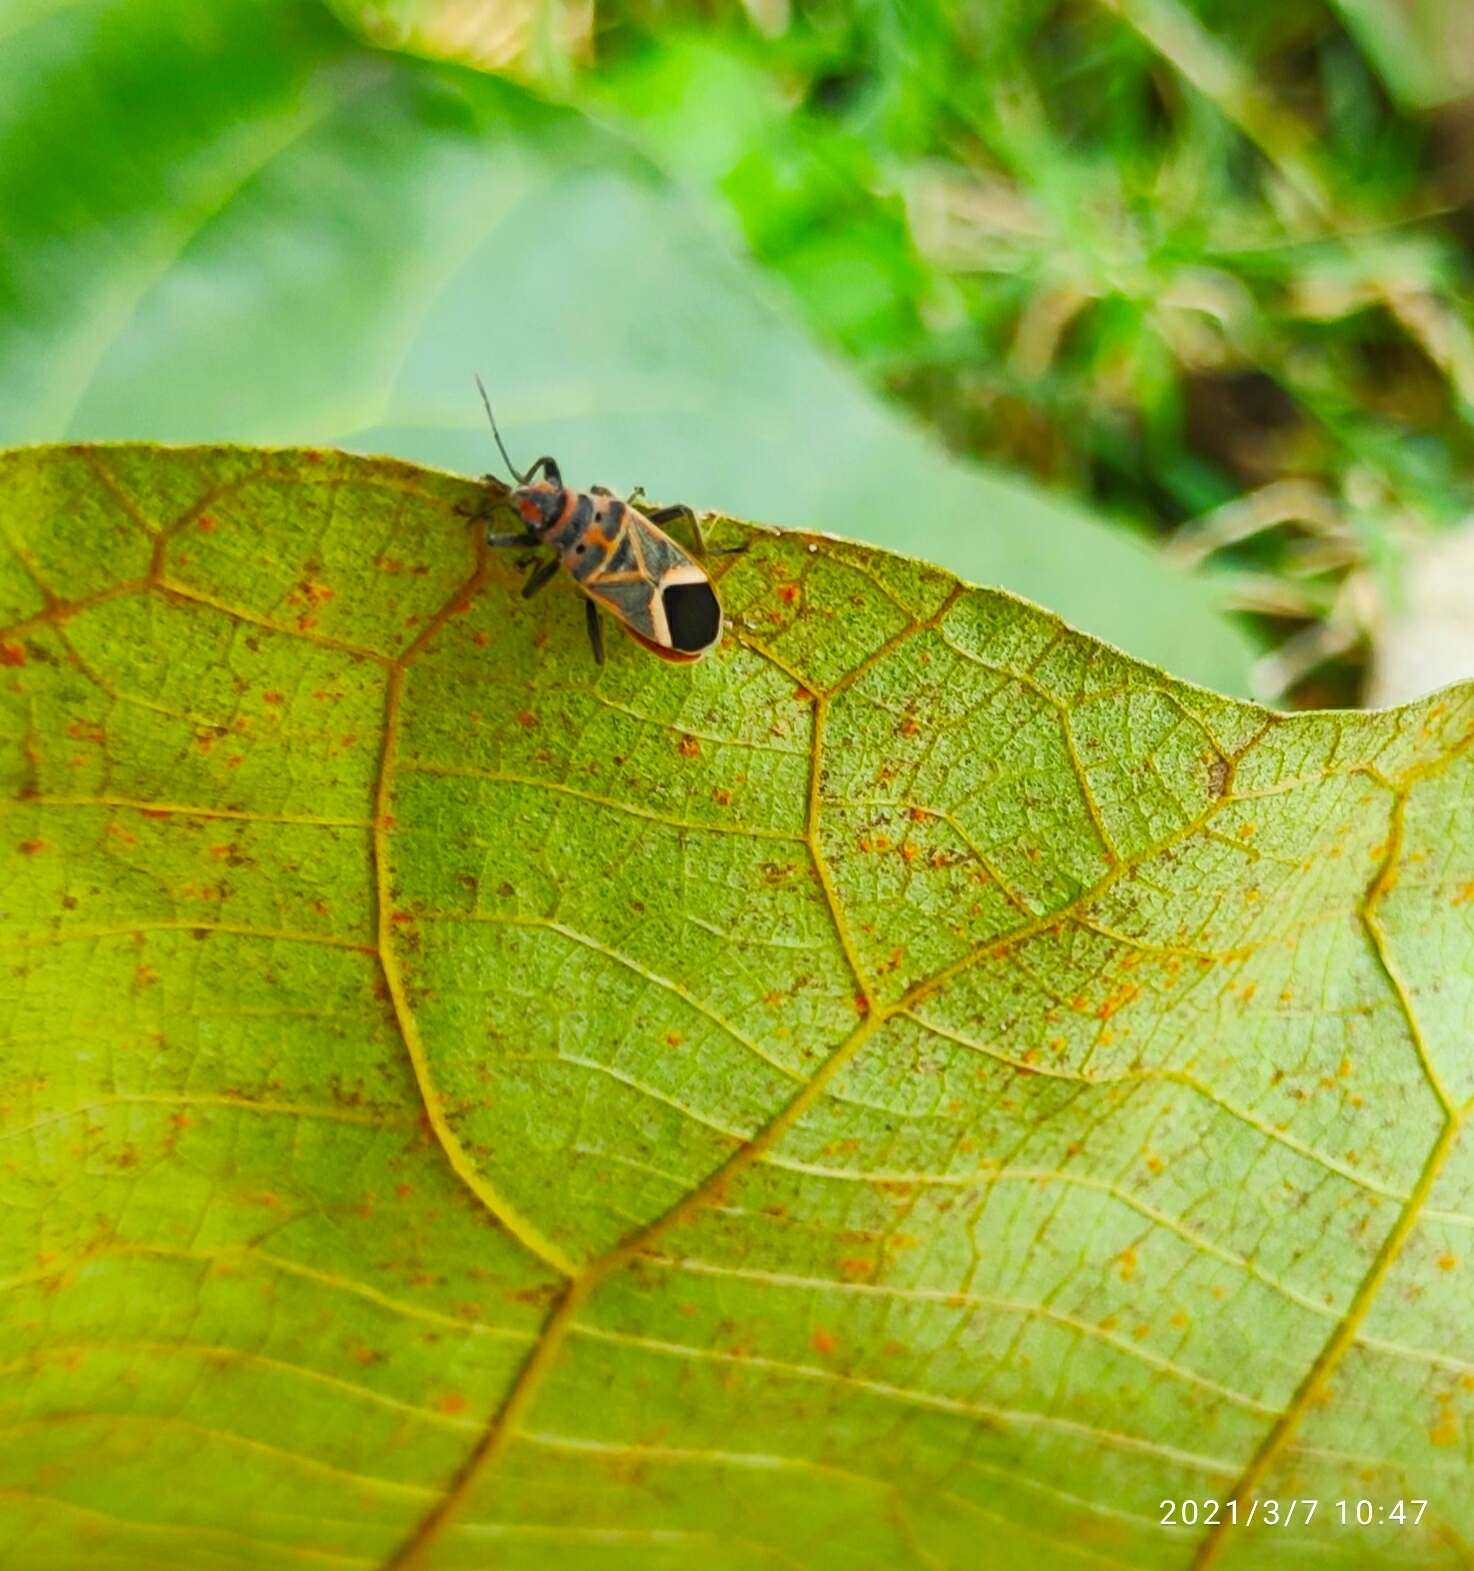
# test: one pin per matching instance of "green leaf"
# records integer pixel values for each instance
(240, 224)
(916, 1079)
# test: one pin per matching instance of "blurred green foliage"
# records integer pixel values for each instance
(1206, 264)
(1201, 266)
(245, 224)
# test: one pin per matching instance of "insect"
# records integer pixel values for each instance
(621, 558)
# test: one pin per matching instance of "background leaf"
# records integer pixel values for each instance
(918, 1079)
(243, 225)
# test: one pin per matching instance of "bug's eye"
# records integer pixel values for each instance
(578, 550)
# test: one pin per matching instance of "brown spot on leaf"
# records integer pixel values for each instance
(1117, 1000)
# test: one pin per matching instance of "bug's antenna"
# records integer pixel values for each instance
(517, 475)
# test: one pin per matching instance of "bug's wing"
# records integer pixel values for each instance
(631, 602)
(627, 582)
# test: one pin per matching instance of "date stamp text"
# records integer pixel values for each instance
(1301, 1512)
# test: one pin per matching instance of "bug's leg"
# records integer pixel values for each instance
(485, 506)
(596, 632)
(539, 576)
(635, 497)
(523, 537)
(666, 515)
(600, 490)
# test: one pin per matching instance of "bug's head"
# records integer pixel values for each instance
(539, 505)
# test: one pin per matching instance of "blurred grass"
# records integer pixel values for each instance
(1205, 266)
(245, 224)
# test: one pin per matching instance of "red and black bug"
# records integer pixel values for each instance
(620, 557)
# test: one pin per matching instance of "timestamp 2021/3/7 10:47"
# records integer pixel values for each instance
(1295, 1512)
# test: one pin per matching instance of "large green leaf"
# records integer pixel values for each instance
(915, 1081)
(233, 222)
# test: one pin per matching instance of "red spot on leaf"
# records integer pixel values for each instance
(12, 654)
(31, 847)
